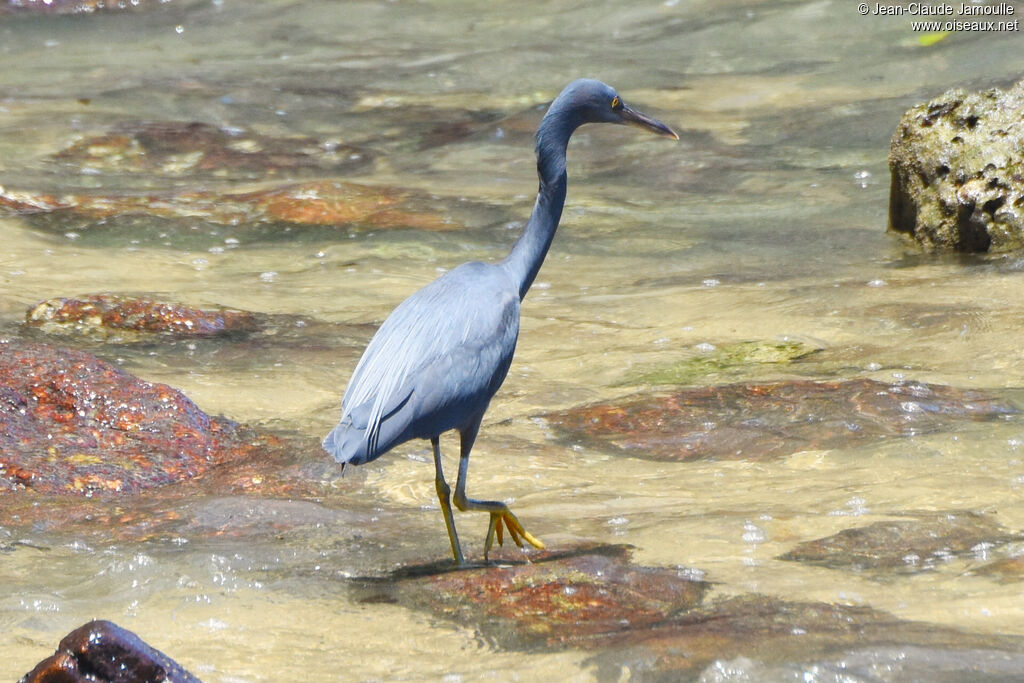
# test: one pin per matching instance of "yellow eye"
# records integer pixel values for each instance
(616, 103)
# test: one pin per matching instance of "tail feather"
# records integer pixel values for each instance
(347, 443)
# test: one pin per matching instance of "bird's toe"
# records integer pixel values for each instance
(505, 520)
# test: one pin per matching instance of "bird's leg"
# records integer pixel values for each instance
(501, 516)
(443, 491)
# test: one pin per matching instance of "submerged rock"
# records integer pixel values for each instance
(957, 165)
(653, 623)
(915, 544)
(70, 422)
(758, 633)
(333, 203)
(188, 337)
(74, 6)
(432, 119)
(315, 203)
(727, 360)
(179, 148)
(557, 599)
(1004, 570)
(106, 315)
(285, 486)
(754, 421)
(862, 664)
(103, 652)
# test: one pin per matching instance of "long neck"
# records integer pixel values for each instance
(526, 257)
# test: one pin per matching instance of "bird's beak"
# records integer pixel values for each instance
(633, 117)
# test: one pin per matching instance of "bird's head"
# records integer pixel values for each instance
(591, 101)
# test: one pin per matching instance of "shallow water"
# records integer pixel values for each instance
(765, 222)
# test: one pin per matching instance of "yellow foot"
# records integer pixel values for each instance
(502, 519)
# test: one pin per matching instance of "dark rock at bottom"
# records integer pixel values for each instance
(103, 652)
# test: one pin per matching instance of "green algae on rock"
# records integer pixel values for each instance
(756, 421)
(916, 542)
(957, 165)
(727, 360)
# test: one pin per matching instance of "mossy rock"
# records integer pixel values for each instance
(732, 360)
(957, 165)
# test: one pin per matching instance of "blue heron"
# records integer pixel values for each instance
(441, 355)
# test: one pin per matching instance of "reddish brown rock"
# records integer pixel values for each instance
(752, 421)
(105, 314)
(285, 485)
(70, 422)
(316, 203)
(333, 203)
(557, 599)
(179, 148)
(914, 544)
(653, 622)
(103, 652)
(28, 203)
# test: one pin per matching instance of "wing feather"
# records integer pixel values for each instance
(452, 338)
